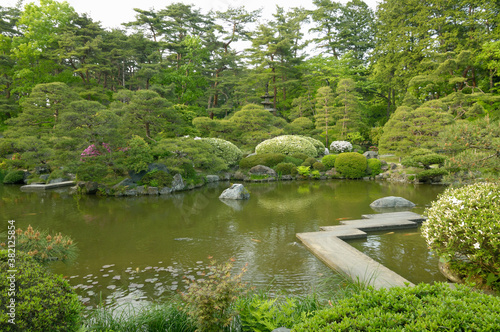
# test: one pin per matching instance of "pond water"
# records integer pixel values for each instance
(141, 248)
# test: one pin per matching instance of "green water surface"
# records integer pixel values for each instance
(142, 248)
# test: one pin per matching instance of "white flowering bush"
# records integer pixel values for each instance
(463, 228)
(287, 145)
(340, 146)
(320, 147)
(226, 150)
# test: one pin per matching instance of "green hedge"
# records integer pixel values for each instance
(286, 169)
(351, 165)
(44, 302)
(374, 166)
(266, 159)
(421, 308)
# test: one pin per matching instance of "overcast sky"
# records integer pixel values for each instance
(112, 13)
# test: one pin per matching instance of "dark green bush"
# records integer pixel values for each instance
(157, 178)
(351, 165)
(266, 159)
(423, 158)
(293, 160)
(43, 301)
(14, 177)
(329, 160)
(374, 166)
(318, 166)
(301, 156)
(309, 162)
(285, 168)
(432, 174)
(421, 308)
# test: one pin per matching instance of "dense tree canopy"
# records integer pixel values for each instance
(408, 69)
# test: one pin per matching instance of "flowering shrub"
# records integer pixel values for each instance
(92, 150)
(287, 145)
(463, 227)
(320, 147)
(340, 146)
(226, 150)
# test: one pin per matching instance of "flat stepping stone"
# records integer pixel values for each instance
(47, 186)
(329, 246)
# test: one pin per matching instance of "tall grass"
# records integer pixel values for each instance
(151, 318)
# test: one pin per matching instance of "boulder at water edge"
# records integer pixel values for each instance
(391, 202)
(236, 191)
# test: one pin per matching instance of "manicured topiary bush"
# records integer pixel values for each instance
(226, 150)
(329, 160)
(14, 177)
(266, 159)
(340, 146)
(351, 165)
(43, 301)
(462, 227)
(301, 156)
(309, 162)
(423, 158)
(293, 160)
(285, 168)
(287, 145)
(432, 175)
(320, 147)
(421, 308)
(374, 166)
(318, 166)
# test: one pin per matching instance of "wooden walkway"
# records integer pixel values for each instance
(329, 247)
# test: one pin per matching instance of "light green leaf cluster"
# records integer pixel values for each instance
(226, 150)
(320, 147)
(464, 223)
(287, 145)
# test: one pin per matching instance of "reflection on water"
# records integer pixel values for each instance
(142, 247)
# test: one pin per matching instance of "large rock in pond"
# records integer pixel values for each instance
(391, 202)
(262, 170)
(236, 191)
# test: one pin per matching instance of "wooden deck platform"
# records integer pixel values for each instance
(329, 247)
(42, 187)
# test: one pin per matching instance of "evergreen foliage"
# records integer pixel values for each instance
(351, 165)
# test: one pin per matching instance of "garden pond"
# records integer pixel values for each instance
(144, 248)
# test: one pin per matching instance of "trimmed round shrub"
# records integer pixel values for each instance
(226, 150)
(340, 146)
(423, 158)
(320, 147)
(266, 159)
(318, 166)
(374, 166)
(43, 301)
(287, 145)
(14, 177)
(300, 156)
(462, 227)
(421, 308)
(351, 165)
(293, 160)
(285, 168)
(309, 162)
(329, 160)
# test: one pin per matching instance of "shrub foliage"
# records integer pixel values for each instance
(44, 302)
(462, 227)
(421, 308)
(266, 159)
(351, 165)
(225, 150)
(287, 145)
